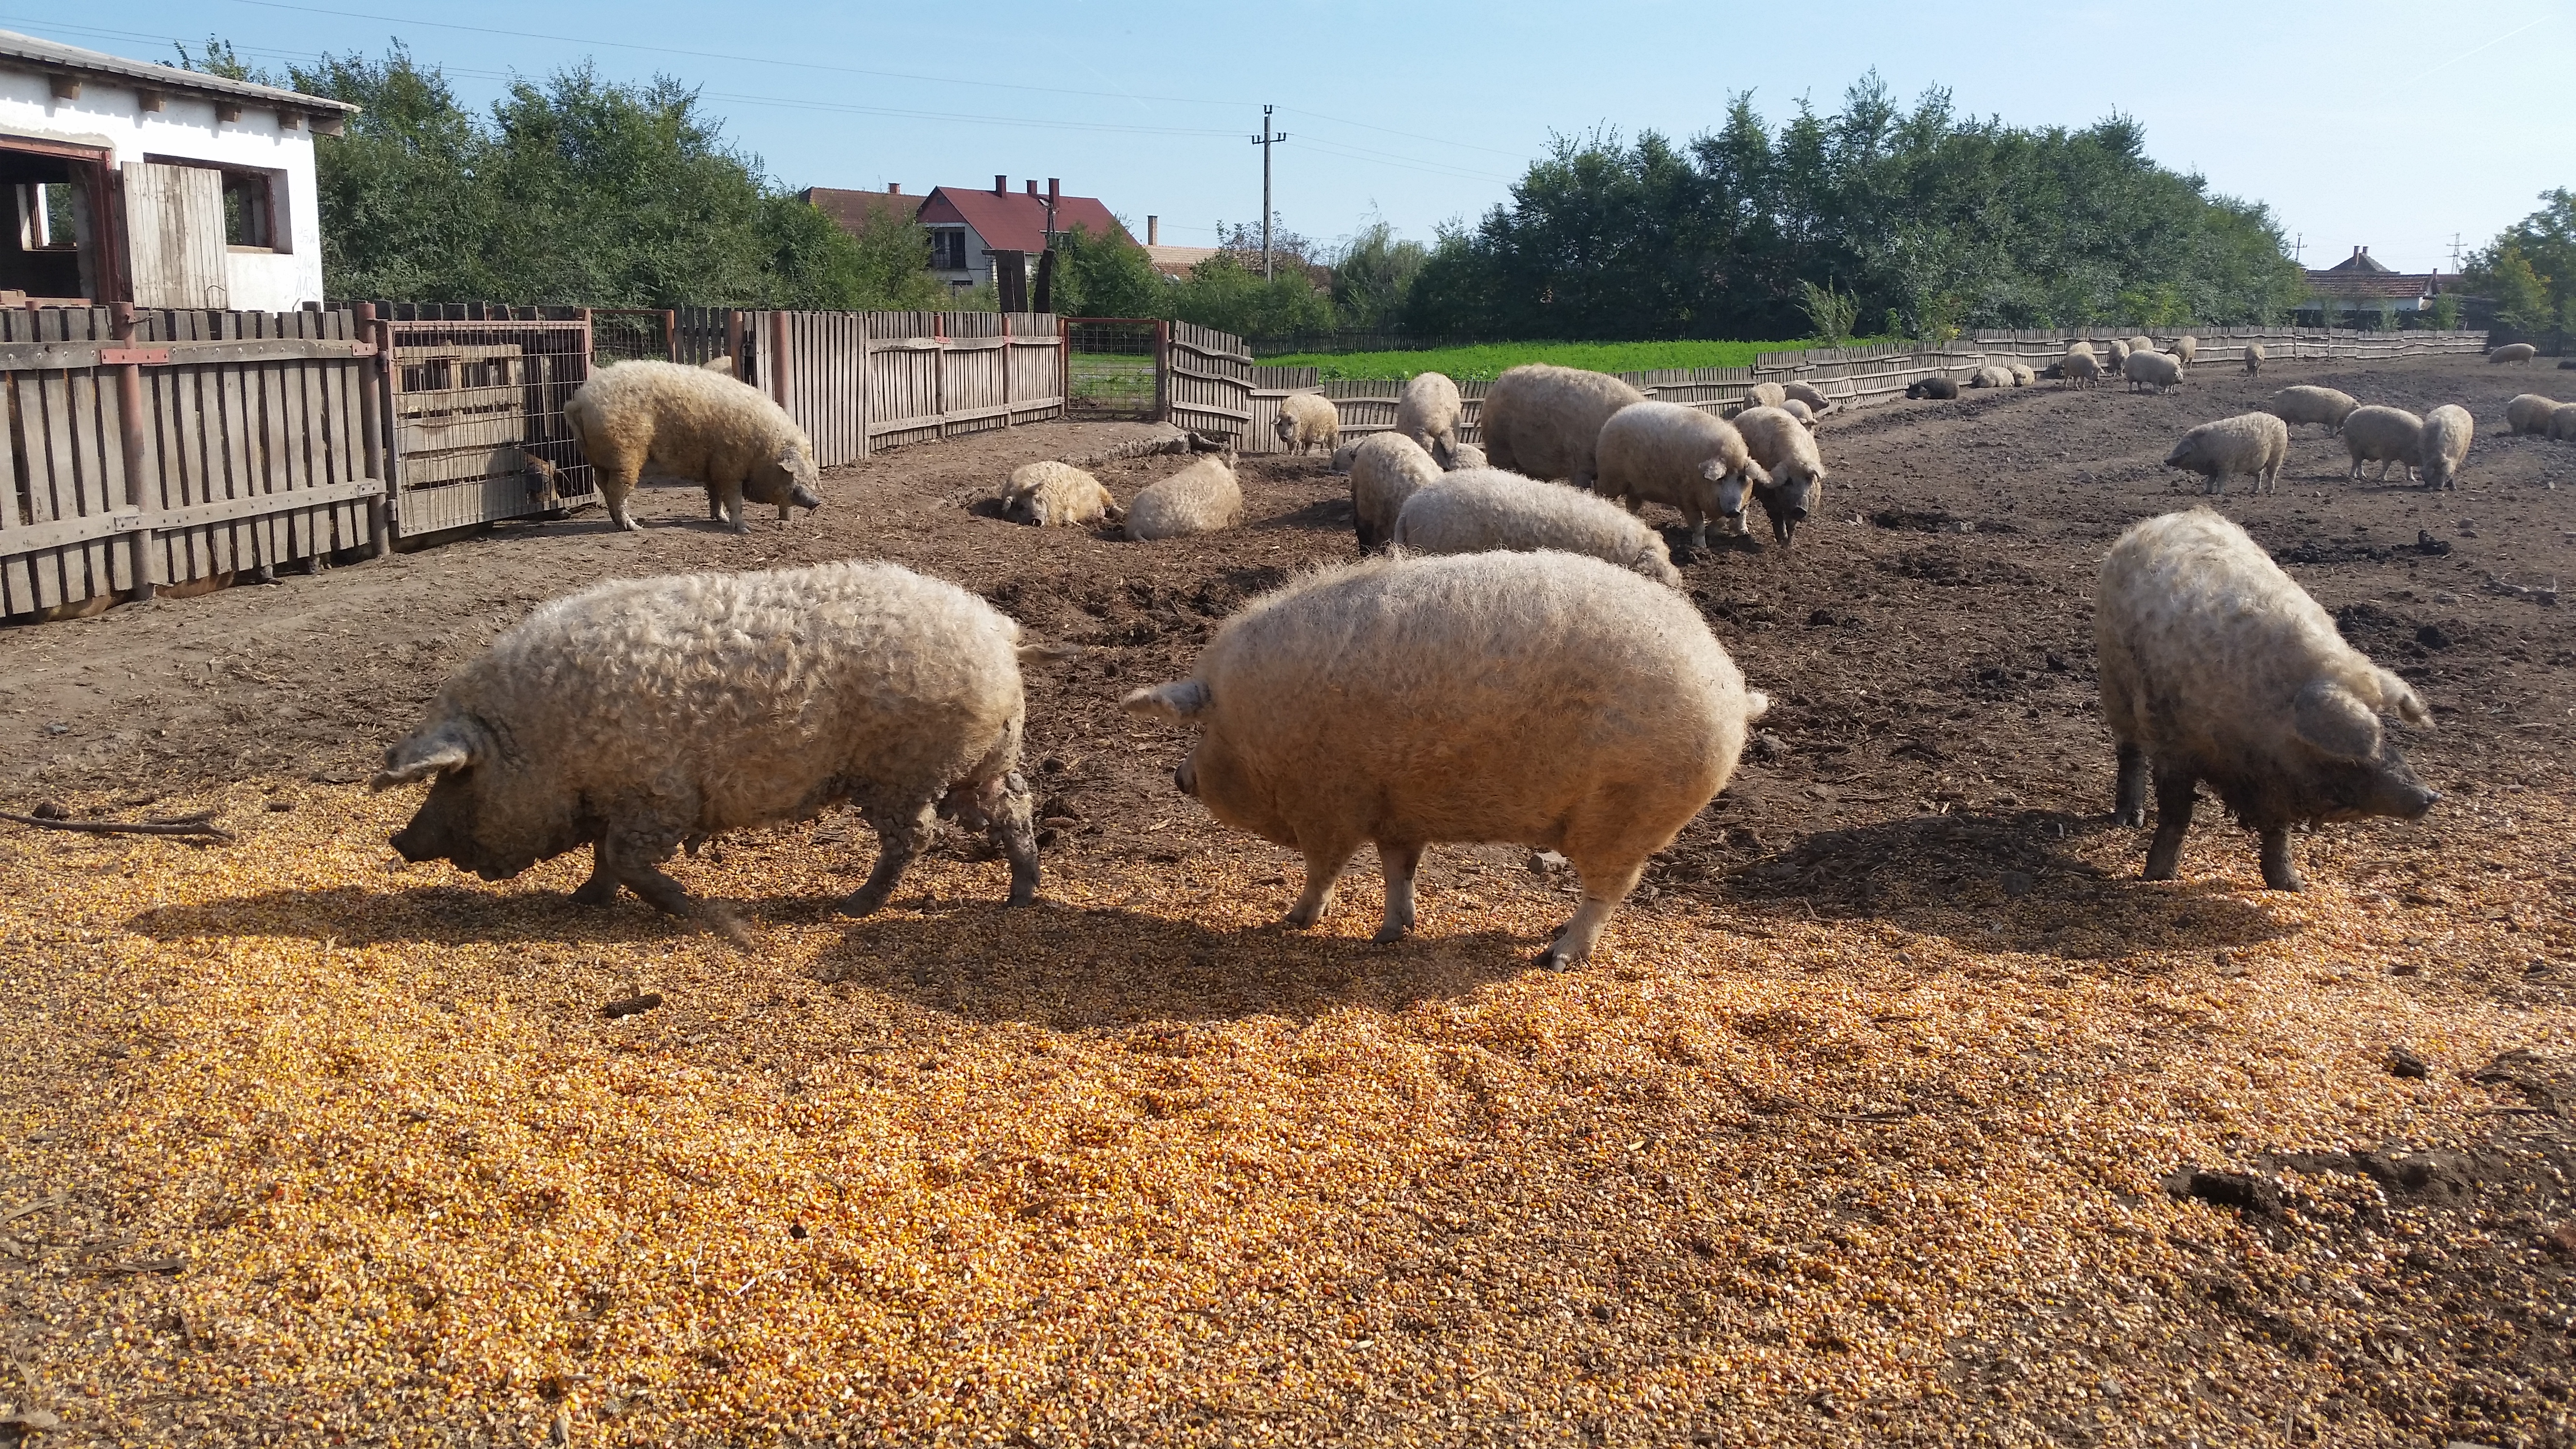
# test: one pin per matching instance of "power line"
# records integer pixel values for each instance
(833, 106)
(696, 54)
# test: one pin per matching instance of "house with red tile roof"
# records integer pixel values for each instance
(967, 227)
(2362, 283)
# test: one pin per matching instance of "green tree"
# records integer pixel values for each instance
(2520, 292)
(1948, 220)
(1372, 275)
(2530, 267)
(1106, 276)
(577, 191)
(1223, 293)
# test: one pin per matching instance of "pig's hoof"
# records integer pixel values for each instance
(1388, 935)
(1554, 958)
(863, 902)
(599, 890)
(2287, 880)
(2133, 817)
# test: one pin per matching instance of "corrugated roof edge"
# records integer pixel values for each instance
(53, 55)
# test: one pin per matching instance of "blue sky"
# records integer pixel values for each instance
(2390, 125)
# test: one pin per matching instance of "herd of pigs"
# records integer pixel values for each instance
(1515, 665)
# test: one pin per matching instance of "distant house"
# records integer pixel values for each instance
(2360, 283)
(967, 227)
(853, 211)
(135, 182)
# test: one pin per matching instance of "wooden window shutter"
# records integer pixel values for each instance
(174, 224)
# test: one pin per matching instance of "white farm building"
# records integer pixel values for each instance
(134, 182)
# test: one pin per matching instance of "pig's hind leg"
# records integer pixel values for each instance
(901, 835)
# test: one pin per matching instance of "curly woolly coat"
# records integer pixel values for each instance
(1661, 452)
(2255, 443)
(1543, 421)
(1057, 495)
(1540, 698)
(1427, 410)
(2448, 430)
(2383, 435)
(688, 422)
(1307, 420)
(2216, 666)
(1385, 471)
(643, 714)
(2304, 404)
(1200, 498)
(1489, 510)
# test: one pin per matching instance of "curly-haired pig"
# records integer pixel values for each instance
(2216, 666)
(1542, 698)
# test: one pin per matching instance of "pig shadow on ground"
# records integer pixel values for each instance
(2016, 869)
(1077, 968)
(1328, 515)
(1677, 542)
(429, 914)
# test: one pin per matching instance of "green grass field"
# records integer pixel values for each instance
(1484, 363)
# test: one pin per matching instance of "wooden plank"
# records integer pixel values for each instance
(17, 572)
(26, 356)
(464, 351)
(231, 431)
(507, 397)
(226, 510)
(50, 481)
(174, 225)
(99, 396)
(428, 470)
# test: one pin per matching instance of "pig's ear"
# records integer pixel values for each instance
(422, 756)
(1178, 701)
(2399, 698)
(2335, 721)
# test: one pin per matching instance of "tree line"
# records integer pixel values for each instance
(574, 190)
(1876, 218)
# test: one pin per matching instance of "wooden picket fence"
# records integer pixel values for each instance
(154, 448)
(861, 381)
(1857, 377)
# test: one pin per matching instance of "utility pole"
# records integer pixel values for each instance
(2299, 248)
(1265, 141)
(2455, 253)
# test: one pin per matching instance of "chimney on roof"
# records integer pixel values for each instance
(1001, 186)
(1033, 186)
(1055, 193)
(894, 188)
(1153, 231)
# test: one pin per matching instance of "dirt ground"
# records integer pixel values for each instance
(1927, 796)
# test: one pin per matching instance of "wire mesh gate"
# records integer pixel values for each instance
(1114, 367)
(477, 415)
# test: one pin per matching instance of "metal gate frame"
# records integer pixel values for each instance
(530, 464)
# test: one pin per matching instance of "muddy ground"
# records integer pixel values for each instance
(1934, 739)
(1928, 643)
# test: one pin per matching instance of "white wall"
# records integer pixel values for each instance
(186, 129)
